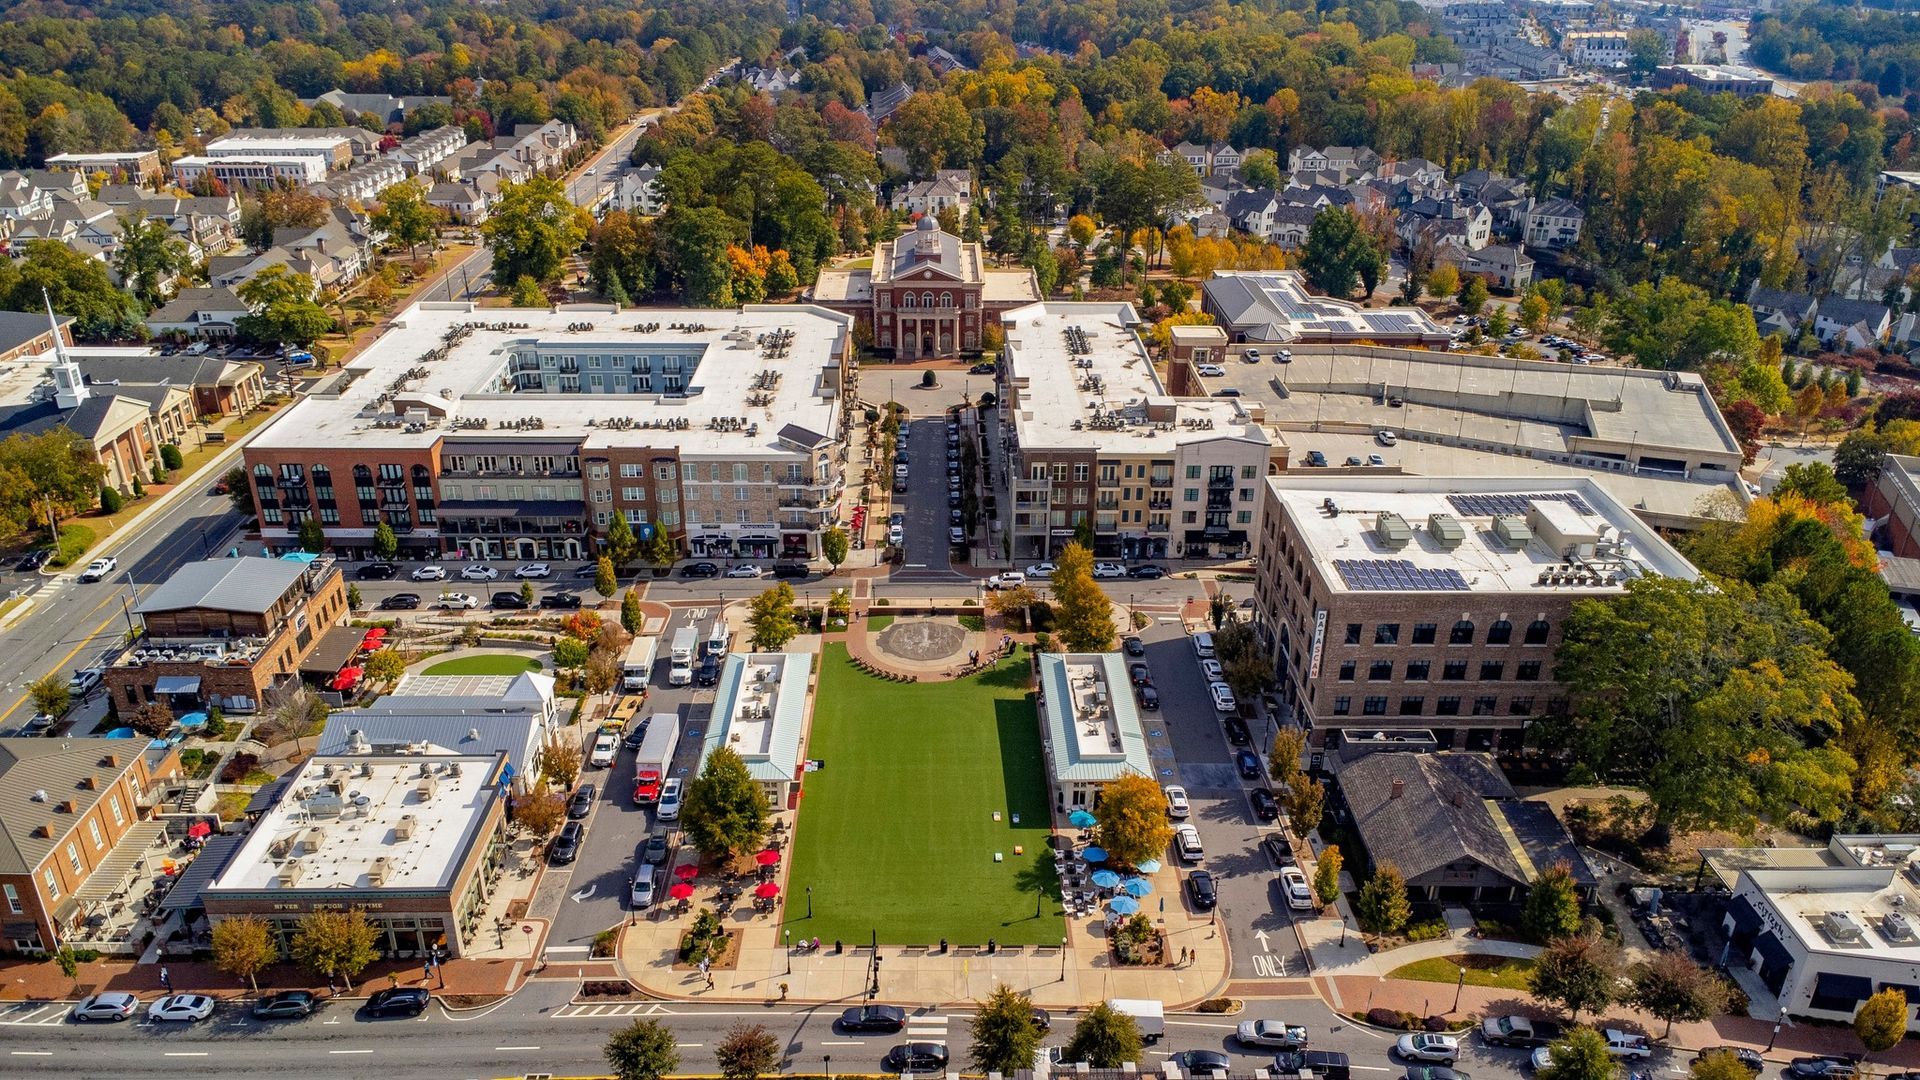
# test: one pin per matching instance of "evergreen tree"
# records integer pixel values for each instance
(643, 1050)
(632, 618)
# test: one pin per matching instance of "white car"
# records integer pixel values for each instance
(1012, 579)
(1186, 840)
(430, 572)
(457, 601)
(1211, 371)
(1202, 644)
(640, 890)
(1177, 806)
(98, 569)
(1271, 1034)
(1424, 1046)
(900, 471)
(896, 535)
(1211, 670)
(1223, 700)
(1109, 570)
(745, 570)
(187, 1007)
(1293, 882)
(84, 680)
(1385, 438)
(112, 1005)
(533, 570)
(668, 808)
(1541, 1059)
(604, 747)
(478, 572)
(957, 536)
(1041, 570)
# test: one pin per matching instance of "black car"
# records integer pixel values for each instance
(1822, 1068)
(953, 500)
(789, 569)
(1435, 1072)
(1324, 1064)
(1202, 1062)
(514, 600)
(1279, 849)
(1147, 572)
(1200, 888)
(1042, 1019)
(1265, 806)
(566, 846)
(700, 569)
(635, 737)
(1135, 647)
(35, 559)
(1149, 697)
(1749, 1060)
(917, 1057)
(405, 601)
(377, 571)
(587, 570)
(284, 1005)
(885, 1019)
(1139, 674)
(708, 673)
(1237, 733)
(561, 601)
(397, 1001)
(1248, 763)
(582, 802)
(985, 367)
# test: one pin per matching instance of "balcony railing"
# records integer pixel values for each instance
(1161, 482)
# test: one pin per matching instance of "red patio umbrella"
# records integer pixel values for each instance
(199, 829)
(374, 637)
(686, 871)
(766, 890)
(347, 678)
(768, 857)
(680, 891)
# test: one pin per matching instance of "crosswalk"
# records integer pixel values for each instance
(611, 1009)
(35, 1013)
(931, 1029)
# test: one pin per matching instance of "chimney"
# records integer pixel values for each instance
(45, 831)
(70, 807)
(91, 783)
(1399, 788)
(111, 761)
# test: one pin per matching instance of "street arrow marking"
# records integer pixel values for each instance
(1262, 936)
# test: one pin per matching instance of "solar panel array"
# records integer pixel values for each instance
(1504, 505)
(1393, 323)
(1397, 575)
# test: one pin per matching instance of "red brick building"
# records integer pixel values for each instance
(928, 293)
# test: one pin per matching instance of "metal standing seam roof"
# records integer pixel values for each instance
(58, 767)
(246, 584)
(206, 866)
(1067, 763)
(782, 761)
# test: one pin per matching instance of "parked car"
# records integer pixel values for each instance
(1265, 806)
(510, 600)
(1186, 840)
(605, 745)
(1140, 675)
(1821, 1068)
(1271, 1034)
(1201, 890)
(1385, 437)
(1294, 884)
(566, 846)
(668, 808)
(1427, 1046)
(1149, 697)
(1316, 459)
(478, 572)
(1321, 1064)
(561, 601)
(112, 1005)
(1540, 1060)
(957, 536)
(1134, 646)
(99, 568)
(1107, 571)
(587, 570)
(1202, 644)
(533, 570)
(1147, 572)
(708, 673)
(1749, 1059)
(1278, 848)
(1201, 1062)
(1177, 804)
(1519, 1031)
(1012, 579)
(700, 570)
(84, 680)
(635, 736)
(879, 1019)
(985, 367)
(582, 802)
(1626, 1044)
(1041, 570)
(790, 570)
(34, 560)
(185, 1008)
(399, 1000)
(285, 1005)
(1435, 1072)
(406, 601)
(745, 570)
(1223, 700)
(1236, 730)
(429, 572)
(917, 1057)
(1210, 670)
(457, 601)
(640, 889)
(376, 571)
(653, 850)
(896, 535)
(1211, 371)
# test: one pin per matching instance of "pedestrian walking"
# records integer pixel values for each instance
(166, 980)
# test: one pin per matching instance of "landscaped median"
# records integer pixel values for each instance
(1504, 972)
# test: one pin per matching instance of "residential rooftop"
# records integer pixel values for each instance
(1093, 727)
(444, 369)
(1081, 377)
(760, 712)
(1485, 535)
(359, 822)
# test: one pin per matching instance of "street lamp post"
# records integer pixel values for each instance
(1063, 958)
(809, 901)
(789, 936)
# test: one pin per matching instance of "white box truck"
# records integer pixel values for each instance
(637, 666)
(685, 641)
(654, 759)
(1149, 1015)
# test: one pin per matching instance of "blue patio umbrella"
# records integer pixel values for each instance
(120, 733)
(1080, 819)
(1138, 886)
(1105, 879)
(1093, 854)
(1151, 866)
(1123, 905)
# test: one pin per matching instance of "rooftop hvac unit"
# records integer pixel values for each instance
(1512, 531)
(1392, 531)
(426, 787)
(1898, 926)
(379, 870)
(311, 839)
(403, 828)
(1842, 926)
(288, 874)
(1446, 530)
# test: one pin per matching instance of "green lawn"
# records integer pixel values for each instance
(499, 664)
(896, 834)
(877, 623)
(1505, 972)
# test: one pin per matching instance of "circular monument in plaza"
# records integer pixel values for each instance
(922, 640)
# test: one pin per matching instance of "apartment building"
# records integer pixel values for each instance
(1096, 439)
(520, 433)
(1416, 612)
(334, 147)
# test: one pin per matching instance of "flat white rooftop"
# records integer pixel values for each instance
(759, 712)
(356, 822)
(267, 144)
(1084, 380)
(1093, 727)
(1491, 535)
(447, 370)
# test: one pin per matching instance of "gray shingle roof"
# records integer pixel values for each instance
(245, 584)
(1437, 819)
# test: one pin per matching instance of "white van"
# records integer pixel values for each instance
(669, 806)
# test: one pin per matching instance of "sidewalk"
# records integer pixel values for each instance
(457, 980)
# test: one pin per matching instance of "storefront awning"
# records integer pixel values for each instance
(199, 874)
(1836, 987)
(1771, 951)
(1745, 919)
(335, 650)
(177, 684)
(120, 864)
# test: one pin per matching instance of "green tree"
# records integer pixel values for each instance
(1382, 905)
(1672, 987)
(1473, 294)
(76, 285)
(935, 131)
(1306, 800)
(1577, 973)
(243, 947)
(533, 228)
(1718, 1065)
(1083, 616)
(1534, 312)
(313, 536)
(1133, 819)
(1582, 1055)
(50, 694)
(1553, 905)
(405, 216)
(772, 617)
(149, 256)
(569, 652)
(834, 545)
(632, 617)
(746, 1052)
(660, 547)
(1674, 324)
(1326, 871)
(385, 544)
(1812, 481)
(643, 1050)
(239, 489)
(622, 546)
(154, 720)
(1339, 252)
(725, 810)
(526, 293)
(560, 761)
(386, 666)
(1497, 323)
(1005, 1037)
(47, 477)
(526, 593)
(1260, 169)
(692, 244)
(604, 581)
(1105, 1038)
(335, 944)
(354, 600)
(1882, 1020)
(1017, 600)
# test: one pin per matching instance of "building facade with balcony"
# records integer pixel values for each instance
(1098, 440)
(928, 293)
(520, 434)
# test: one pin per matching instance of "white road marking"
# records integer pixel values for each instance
(1201, 1024)
(1373, 1068)
(516, 1048)
(843, 1042)
(31, 1053)
(349, 1051)
(185, 1053)
(689, 1046)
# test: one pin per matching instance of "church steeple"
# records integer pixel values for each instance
(69, 390)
